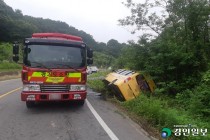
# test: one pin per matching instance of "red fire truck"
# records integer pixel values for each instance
(54, 68)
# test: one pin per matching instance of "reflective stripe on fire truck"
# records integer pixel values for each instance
(45, 77)
(75, 76)
(55, 79)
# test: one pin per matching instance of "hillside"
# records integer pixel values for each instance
(15, 26)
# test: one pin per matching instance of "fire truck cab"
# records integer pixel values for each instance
(54, 68)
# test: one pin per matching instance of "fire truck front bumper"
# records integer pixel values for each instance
(58, 96)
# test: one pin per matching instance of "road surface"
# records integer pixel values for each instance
(96, 120)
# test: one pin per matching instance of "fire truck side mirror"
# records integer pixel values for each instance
(89, 61)
(16, 52)
(89, 53)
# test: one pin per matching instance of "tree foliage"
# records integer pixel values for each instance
(14, 26)
(103, 60)
(178, 55)
(5, 51)
(176, 52)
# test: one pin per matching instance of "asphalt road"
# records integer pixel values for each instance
(96, 120)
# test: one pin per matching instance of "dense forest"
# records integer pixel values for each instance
(179, 55)
(14, 26)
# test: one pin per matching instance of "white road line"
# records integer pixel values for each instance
(102, 123)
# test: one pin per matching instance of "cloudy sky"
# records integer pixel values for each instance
(98, 18)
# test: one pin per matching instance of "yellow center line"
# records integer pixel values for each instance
(1, 96)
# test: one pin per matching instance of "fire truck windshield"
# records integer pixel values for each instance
(50, 56)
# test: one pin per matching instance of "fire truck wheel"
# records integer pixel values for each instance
(81, 102)
(30, 104)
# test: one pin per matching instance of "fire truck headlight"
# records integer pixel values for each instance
(77, 87)
(31, 87)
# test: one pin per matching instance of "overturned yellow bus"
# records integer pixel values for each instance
(127, 84)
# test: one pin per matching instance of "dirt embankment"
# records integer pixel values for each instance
(9, 75)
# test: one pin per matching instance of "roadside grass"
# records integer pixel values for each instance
(7, 66)
(152, 112)
(95, 81)
(9, 70)
(96, 84)
(159, 114)
(98, 74)
(8, 77)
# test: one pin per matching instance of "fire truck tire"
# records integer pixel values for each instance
(81, 102)
(30, 104)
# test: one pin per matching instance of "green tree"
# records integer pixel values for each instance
(6, 52)
(178, 54)
(102, 60)
(14, 26)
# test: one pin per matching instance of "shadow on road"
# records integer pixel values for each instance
(55, 107)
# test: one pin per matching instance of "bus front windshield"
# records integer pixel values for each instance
(51, 56)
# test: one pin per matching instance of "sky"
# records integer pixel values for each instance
(98, 18)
